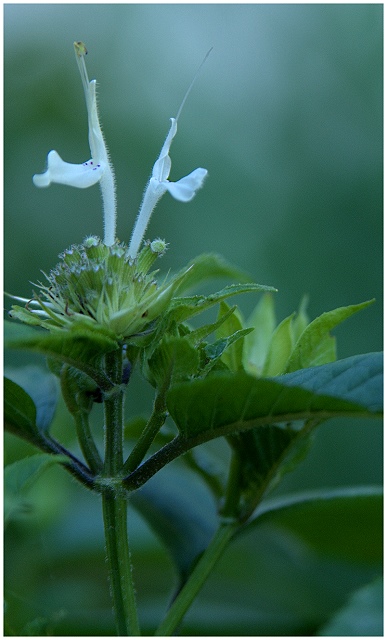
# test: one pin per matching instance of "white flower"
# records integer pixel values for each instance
(183, 190)
(97, 169)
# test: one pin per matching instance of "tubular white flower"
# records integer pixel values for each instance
(75, 175)
(97, 169)
(183, 190)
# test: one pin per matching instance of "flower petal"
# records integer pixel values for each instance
(162, 165)
(75, 175)
(161, 168)
(185, 188)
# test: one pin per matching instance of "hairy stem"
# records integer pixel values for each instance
(114, 415)
(114, 505)
(151, 430)
(86, 441)
(120, 570)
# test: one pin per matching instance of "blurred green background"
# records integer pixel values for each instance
(287, 117)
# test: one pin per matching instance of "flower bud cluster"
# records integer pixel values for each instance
(104, 285)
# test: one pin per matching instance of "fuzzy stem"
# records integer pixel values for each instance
(151, 430)
(120, 569)
(114, 504)
(86, 441)
(108, 191)
(114, 415)
(151, 197)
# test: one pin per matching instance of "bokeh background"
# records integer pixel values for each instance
(286, 116)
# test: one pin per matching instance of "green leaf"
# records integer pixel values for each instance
(20, 412)
(197, 336)
(225, 403)
(265, 455)
(20, 476)
(211, 265)
(233, 355)
(315, 346)
(81, 346)
(184, 526)
(181, 309)
(280, 348)
(346, 523)
(42, 387)
(174, 359)
(358, 380)
(361, 616)
(256, 346)
(219, 349)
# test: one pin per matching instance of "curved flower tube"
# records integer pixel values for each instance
(183, 190)
(97, 169)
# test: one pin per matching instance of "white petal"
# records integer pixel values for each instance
(185, 188)
(168, 141)
(162, 166)
(75, 175)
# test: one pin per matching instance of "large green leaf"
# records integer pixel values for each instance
(226, 403)
(20, 412)
(185, 526)
(41, 386)
(81, 346)
(361, 616)
(346, 523)
(264, 456)
(19, 477)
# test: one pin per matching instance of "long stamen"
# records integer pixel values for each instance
(192, 83)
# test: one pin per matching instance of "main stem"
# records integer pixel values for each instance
(114, 505)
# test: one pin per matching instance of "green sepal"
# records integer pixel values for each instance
(196, 336)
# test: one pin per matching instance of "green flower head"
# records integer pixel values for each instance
(102, 285)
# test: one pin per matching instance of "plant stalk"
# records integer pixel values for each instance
(114, 505)
(151, 430)
(197, 578)
(120, 569)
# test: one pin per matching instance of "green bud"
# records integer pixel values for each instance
(102, 285)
